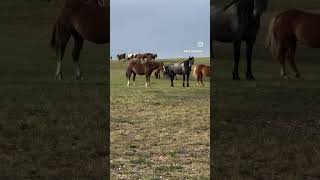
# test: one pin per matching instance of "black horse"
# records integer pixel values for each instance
(238, 21)
(182, 68)
(121, 56)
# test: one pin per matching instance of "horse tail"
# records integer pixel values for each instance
(272, 41)
(194, 72)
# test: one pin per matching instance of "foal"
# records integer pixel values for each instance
(139, 67)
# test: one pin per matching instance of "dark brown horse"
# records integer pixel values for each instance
(287, 29)
(200, 71)
(82, 20)
(140, 67)
(150, 56)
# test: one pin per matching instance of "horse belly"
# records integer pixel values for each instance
(308, 34)
(139, 70)
(93, 25)
(225, 26)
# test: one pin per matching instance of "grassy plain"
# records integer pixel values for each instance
(160, 132)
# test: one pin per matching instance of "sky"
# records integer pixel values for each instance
(170, 28)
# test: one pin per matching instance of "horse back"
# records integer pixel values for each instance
(301, 25)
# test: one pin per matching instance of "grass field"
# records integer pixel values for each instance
(48, 129)
(269, 128)
(160, 132)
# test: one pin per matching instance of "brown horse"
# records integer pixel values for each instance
(200, 71)
(82, 20)
(139, 67)
(288, 28)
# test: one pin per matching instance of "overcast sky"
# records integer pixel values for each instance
(170, 28)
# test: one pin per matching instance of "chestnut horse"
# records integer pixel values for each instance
(82, 20)
(140, 67)
(199, 71)
(288, 28)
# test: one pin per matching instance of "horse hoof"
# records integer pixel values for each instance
(58, 76)
(298, 76)
(188, 85)
(285, 76)
(235, 76)
(79, 78)
(250, 77)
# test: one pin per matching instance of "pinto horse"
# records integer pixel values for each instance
(199, 71)
(121, 56)
(140, 67)
(182, 68)
(288, 28)
(82, 20)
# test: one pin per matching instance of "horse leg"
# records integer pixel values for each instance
(149, 78)
(78, 44)
(172, 77)
(281, 57)
(188, 80)
(128, 74)
(236, 52)
(201, 76)
(134, 78)
(249, 47)
(291, 58)
(183, 80)
(62, 48)
(198, 80)
(146, 80)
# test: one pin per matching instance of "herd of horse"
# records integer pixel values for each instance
(138, 66)
(140, 56)
(237, 22)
